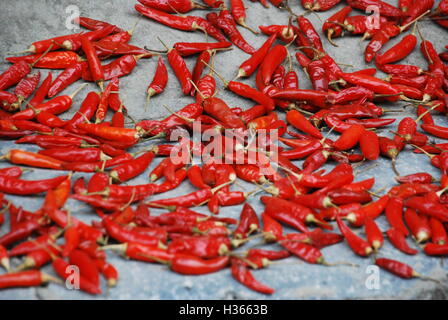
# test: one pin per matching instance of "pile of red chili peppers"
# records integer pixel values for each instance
(305, 198)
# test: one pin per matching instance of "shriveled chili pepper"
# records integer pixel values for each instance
(17, 156)
(248, 222)
(285, 33)
(239, 14)
(186, 23)
(398, 52)
(386, 9)
(159, 81)
(307, 28)
(190, 48)
(119, 67)
(93, 24)
(70, 74)
(95, 67)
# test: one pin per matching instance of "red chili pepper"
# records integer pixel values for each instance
(199, 67)
(86, 265)
(357, 244)
(394, 214)
(55, 106)
(376, 85)
(190, 48)
(370, 146)
(26, 86)
(398, 240)
(242, 274)
(226, 23)
(248, 222)
(312, 97)
(416, 9)
(117, 68)
(70, 75)
(288, 212)
(133, 168)
(111, 133)
(307, 28)
(335, 30)
(248, 67)
(206, 247)
(386, 9)
(284, 33)
(52, 60)
(397, 268)
(180, 69)
(61, 267)
(185, 23)
(432, 249)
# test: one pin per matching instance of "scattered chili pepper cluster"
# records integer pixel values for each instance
(194, 243)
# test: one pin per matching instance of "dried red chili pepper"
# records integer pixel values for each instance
(61, 266)
(357, 244)
(31, 278)
(159, 81)
(242, 274)
(335, 30)
(398, 240)
(397, 268)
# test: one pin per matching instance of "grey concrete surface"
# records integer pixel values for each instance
(23, 22)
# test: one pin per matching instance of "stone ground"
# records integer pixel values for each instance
(25, 21)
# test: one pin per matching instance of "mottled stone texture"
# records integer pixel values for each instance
(25, 21)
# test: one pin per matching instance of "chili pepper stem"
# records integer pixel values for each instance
(5, 264)
(242, 23)
(343, 263)
(224, 81)
(78, 90)
(426, 112)
(329, 38)
(47, 278)
(197, 90)
(418, 275)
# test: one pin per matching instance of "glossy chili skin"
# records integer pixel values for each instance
(248, 67)
(242, 274)
(398, 240)
(70, 75)
(397, 268)
(181, 70)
